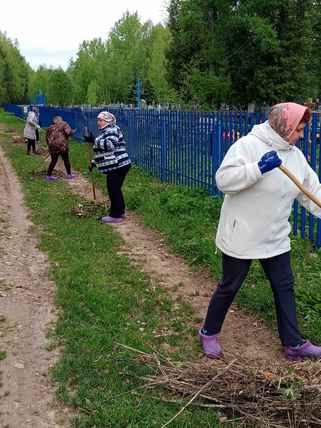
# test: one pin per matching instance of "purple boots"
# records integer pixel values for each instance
(210, 345)
(307, 350)
(51, 178)
(111, 220)
(212, 348)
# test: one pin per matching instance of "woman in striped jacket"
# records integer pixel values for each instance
(111, 158)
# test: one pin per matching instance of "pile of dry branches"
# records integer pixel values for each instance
(253, 396)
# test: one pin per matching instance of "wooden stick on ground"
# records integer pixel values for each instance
(91, 173)
(299, 185)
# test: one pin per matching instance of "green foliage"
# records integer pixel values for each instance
(89, 67)
(261, 51)
(39, 81)
(92, 93)
(156, 69)
(132, 51)
(59, 88)
(14, 72)
(211, 52)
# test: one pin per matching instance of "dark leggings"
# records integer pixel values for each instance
(31, 144)
(115, 180)
(54, 159)
(279, 273)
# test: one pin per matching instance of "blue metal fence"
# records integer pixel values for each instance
(186, 148)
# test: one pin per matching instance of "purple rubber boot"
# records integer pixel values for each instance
(111, 220)
(70, 176)
(51, 178)
(210, 345)
(307, 350)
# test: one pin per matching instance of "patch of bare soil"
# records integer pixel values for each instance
(26, 313)
(243, 334)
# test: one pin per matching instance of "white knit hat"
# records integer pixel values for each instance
(109, 118)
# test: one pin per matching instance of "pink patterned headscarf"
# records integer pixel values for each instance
(284, 118)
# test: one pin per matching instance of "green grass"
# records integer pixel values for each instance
(103, 300)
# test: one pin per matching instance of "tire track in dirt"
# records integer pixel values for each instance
(243, 336)
(26, 313)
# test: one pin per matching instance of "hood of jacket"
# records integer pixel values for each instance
(266, 134)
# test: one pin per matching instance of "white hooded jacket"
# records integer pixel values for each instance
(31, 125)
(254, 221)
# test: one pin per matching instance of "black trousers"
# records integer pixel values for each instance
(31, 144)
(115, 180)
(279, 273)
(54, 160)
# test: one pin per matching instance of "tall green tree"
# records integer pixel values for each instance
(39, 81)
(269, 47)
(127, 53)
(88, 67)
(197, 66)
(157, 64)
(59, 88)
(92, 93)
(14, 72)
(242, 51)
(133, 50)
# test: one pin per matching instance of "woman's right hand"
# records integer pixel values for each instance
(269, 161)
(89, 138)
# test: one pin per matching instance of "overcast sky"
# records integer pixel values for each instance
(50, 31)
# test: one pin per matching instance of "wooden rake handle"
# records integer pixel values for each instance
(299, 185)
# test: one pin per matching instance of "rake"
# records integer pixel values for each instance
(299, 185)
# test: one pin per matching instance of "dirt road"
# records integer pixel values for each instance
(26, 312)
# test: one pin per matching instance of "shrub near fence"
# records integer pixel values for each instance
(186, 148)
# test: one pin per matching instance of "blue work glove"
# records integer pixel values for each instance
(269, 161)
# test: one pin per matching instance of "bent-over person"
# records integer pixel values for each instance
(57, 137)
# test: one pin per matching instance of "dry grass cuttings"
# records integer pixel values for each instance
(17, 139)
(87, 209)
(252, 396)
(42, 151)
(43, 173)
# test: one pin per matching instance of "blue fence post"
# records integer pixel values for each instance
(216, 154)
(162, 148)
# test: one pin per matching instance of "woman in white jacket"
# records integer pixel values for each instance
(30, 130)
(254, 222)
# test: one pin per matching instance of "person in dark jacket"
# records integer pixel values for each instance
(57, 140)
(111, 158)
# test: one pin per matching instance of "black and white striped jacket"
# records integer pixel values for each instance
(110, 150)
